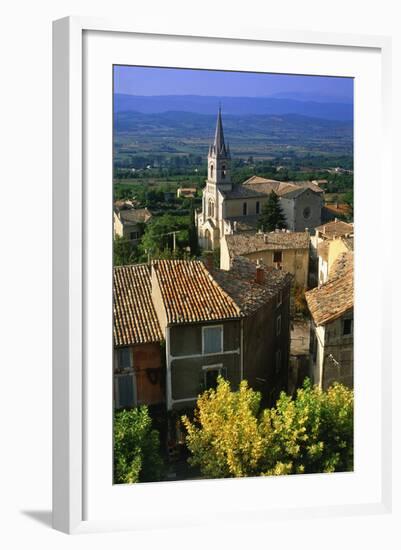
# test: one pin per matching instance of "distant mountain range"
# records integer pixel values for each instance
(176, 132)
(237, 106)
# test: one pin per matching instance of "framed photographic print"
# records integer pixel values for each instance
(214, 282)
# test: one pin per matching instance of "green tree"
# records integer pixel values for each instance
(311, 433)
(158, 234)
(136, 447)
(123, 251)
(349, 199)
(224, 438)
(272, 216)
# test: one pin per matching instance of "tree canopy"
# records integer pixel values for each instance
(136, 447)
(272, 216)
(230, 437)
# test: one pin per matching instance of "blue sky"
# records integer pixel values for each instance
(161, 81)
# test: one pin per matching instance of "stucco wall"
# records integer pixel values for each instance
(158, 303)
(260, 345)
(187, 339)
(341, 347)
(187, 375)
(294, 261)
(233, 207)
(186, 359)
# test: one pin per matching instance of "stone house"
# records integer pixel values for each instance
(328, 242)
(228, 208)
(129, 222)
(331, 306)
(280, 249)
(177, 326)
(138, 366)
(233, 323)
(186, 192)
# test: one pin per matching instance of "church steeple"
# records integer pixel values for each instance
(219, 149)
(219, 159)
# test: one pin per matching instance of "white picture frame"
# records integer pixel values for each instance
(71, 310)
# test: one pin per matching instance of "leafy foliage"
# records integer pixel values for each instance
(158, 237)
(224, 437)
(136, 447)
(123, 251)
(312, 433)
(230, 437)
(300, 305)
(272, 216)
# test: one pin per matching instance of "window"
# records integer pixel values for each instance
(244, 209)
(124, 358)
(212, 339)
(211, 208)
(279, 298)
(257, 207)
(223, 171)
(134, 235)
(211, 171)
(306, 213)
(210, 375)
(347, 327)
(278, 360)
(125, 391)
(278, 325)
(277, 256)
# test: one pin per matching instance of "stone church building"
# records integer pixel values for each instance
(228, 208)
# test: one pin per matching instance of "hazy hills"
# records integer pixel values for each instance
(177, 132)
(208, 105)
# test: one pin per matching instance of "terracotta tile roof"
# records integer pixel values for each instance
(190, 294)
(246, 243)
(336, 228)
(335, 297)
(239, 282)
(135, 319)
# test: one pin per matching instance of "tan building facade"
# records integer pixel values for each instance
(280, 249)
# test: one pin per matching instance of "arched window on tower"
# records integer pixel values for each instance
(210, 210)
(211, 171)
(223, 171)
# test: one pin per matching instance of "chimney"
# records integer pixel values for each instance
(259, 273)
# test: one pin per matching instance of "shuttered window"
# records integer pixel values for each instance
(212, 339)
(124, 358)
(126, 395)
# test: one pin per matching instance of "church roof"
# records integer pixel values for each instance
(256, 186)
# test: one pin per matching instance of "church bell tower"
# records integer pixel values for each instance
(219, 159)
